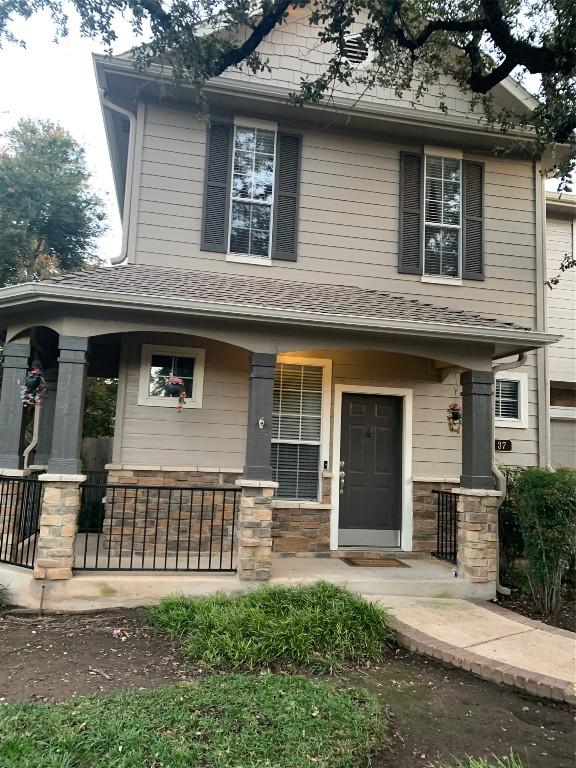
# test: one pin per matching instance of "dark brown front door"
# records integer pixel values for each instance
(371, 459)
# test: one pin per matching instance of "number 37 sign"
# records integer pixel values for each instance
(503, 445)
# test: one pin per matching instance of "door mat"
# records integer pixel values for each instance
(375, 562)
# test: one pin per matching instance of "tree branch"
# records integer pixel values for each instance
(237, 55)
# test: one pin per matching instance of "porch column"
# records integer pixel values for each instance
(69, 407)
(58, 526)
(46, 419)
(16, 355)
(477, 430)
(254, 528)
(259, 436)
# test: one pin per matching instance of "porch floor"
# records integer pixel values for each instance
(424, 576)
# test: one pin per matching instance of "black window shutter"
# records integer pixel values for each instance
(410, 258)
(473, 221)
(217, 187)
(287, 184)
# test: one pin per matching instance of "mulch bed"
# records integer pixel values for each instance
(438, 713)
(521, 603)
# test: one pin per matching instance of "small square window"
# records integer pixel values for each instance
(511, 400)
(158, 364)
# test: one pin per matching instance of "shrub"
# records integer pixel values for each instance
(4, 597)
(226, 721)
(509, 532)
(320, 627)
(546, 505)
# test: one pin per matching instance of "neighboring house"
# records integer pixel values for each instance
(326, 282)
(561, 312)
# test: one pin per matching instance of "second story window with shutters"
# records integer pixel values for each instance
(251, 191)
(442, 207)
(441, 216)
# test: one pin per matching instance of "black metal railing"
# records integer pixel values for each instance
(20, 503)
(159, 528)
(91, 514)
(446, 526)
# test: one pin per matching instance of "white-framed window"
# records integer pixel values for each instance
(300, 426)
(442, 215)
(511, 400)
(158, 363)
(252, 190)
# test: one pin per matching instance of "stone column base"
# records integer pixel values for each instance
(58, 525)
(478, 535)
(254, 529)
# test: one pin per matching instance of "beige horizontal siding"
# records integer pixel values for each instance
(561, 300)
(348, 218)
(211, 436)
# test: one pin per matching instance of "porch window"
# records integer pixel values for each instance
(443, 208)
(252, 191)
(511, 400)
(159, 363)
(297, 430)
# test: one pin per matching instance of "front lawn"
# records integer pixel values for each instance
(320, 627)
(227, 721)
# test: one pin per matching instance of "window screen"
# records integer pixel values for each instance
(296, 430)
(442, 211)
(252, 191)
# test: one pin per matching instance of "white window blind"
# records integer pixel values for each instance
(442, 205)
(507, 399)
(297, 430)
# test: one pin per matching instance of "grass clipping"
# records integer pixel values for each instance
(320, 628)
(226, 721)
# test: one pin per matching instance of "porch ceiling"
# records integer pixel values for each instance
(263, 300)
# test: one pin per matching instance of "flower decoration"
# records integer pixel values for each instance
(454, 419)
(34, 388)
(175, 387)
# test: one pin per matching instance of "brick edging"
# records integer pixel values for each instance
(542, 686)
(501, 610)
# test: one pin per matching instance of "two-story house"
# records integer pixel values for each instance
(341, 293)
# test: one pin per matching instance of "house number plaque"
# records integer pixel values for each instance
(503, 445)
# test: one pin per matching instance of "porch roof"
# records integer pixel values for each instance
(267, 299)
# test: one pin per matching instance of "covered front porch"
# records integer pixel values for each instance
(294, 445)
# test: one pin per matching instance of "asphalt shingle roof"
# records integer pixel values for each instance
(270, 293)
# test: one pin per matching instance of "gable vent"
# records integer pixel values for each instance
(355, 50)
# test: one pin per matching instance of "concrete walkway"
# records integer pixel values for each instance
(489, 641)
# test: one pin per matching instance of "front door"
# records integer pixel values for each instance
(371, 460)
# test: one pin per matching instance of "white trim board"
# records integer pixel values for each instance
(562, 412)
(407, 501)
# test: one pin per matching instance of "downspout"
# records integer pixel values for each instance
(126, 210)
(498, 475)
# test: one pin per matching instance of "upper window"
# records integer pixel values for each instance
(443, 216)
(159, 364)
(297, 430)
(252, 191)
(511, 400)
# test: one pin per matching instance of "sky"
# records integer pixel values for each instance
(56, 81)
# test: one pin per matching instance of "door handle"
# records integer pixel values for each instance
(342, 478)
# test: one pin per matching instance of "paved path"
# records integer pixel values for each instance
(490, 641)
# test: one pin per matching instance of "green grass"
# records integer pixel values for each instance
(482, 762)
(319, 627)
(223, 721)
